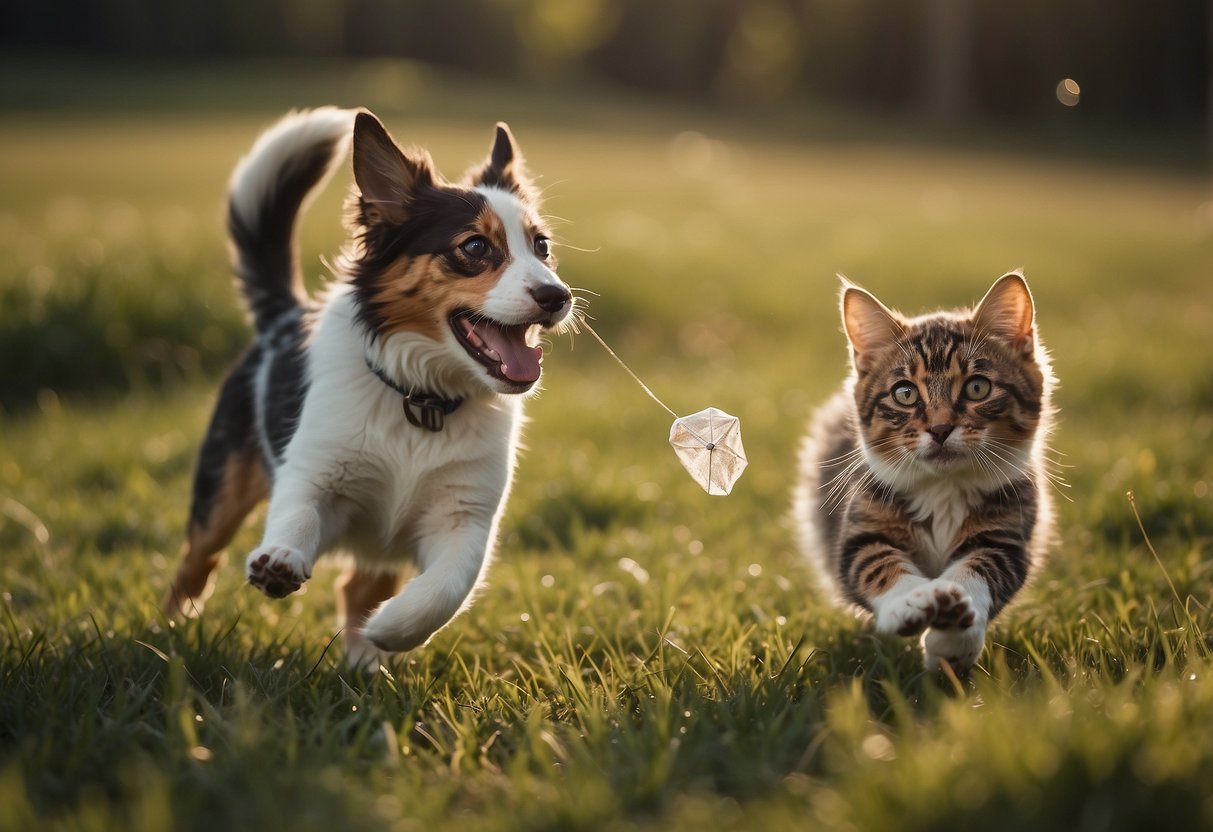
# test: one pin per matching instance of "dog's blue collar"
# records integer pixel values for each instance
(423, 410)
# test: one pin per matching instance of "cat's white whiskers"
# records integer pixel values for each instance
(1055, 480)
(1007, 463)
(843, 490)
(840, 484)
(986, 458)
(849, 455)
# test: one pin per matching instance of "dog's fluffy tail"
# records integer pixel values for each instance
(268, 190)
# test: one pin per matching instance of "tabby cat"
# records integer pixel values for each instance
(923, 488)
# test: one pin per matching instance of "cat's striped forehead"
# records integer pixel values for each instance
(932, 346)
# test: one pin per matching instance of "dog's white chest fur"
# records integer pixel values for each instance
(395, 482)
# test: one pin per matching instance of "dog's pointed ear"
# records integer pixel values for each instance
(385, 174)
(505, 168)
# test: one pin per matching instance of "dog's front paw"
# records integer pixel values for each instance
(408, 620)
(360, 652)
(960, 648)
(278, 570)
(382, 634)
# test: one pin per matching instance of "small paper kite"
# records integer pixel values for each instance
(708, 443)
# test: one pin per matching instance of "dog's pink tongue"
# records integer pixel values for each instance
(519, 362)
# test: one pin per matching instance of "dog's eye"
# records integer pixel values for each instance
(905, 393)
(476, 248)
(543, 247)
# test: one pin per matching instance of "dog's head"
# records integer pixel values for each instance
(461, 275)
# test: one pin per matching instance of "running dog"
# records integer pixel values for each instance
(381, 420)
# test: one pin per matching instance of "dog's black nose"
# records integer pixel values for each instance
(940, 432)
(551, 298)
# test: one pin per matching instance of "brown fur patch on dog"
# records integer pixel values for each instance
(243, 485)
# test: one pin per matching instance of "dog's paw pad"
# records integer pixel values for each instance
(278, 570)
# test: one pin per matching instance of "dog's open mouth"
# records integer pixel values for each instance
(501, 348)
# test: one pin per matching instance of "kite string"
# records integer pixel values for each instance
(706, 443)
(627, 369)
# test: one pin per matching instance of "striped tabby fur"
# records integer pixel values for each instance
(923, 489)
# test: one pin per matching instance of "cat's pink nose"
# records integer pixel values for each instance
(940, 432)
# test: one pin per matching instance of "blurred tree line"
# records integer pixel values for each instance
(1136, 61)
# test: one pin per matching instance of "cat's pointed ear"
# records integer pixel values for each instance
(870, 325)
(504, 168)
(1007, 311)
(385, 174)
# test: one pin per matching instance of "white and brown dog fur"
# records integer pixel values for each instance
(383, 420)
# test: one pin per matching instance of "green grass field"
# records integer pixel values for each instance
(645, 656)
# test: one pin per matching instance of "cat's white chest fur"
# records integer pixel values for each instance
(939, 508)
(938, 505)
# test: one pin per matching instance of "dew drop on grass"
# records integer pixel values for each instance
(635, 570)
(878, 747)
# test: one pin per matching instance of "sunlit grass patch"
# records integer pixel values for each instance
(643, 655)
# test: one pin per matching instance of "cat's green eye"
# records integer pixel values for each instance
(977, 388)
(905, 393)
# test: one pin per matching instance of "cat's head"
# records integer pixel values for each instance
(950, 393)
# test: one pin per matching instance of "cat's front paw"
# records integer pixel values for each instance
(953, 606)
(960, 648)
(939, 604)
(907, 613)
(278, 570)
